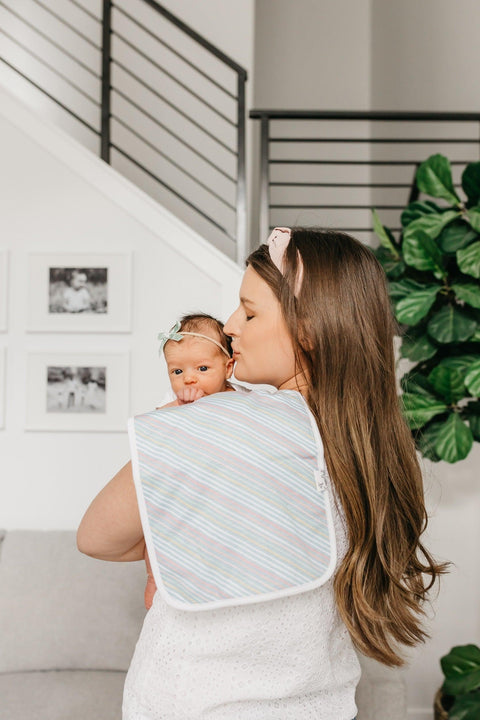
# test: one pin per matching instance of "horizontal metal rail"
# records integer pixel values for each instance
(309, 166)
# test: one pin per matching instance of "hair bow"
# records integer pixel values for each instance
(172, 334)
(277, 244)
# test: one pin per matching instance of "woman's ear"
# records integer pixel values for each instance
(229, 368)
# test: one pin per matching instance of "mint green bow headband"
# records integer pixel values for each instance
(175, 334)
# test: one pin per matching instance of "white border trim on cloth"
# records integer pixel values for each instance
(232, 602)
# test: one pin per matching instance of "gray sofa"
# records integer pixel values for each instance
(68, 627)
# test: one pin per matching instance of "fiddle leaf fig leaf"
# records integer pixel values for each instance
(434, 177)
(393, 267)
(465, 707)
(468, 292)
(402, 288)
(461, 668)
(418, 209)
(448, 383)
(456, 236)
(422, 253)
(419, 409)
(472, 379)
(431, 225)
(454, 440)
(385, 236)
(415, 382)
(469, 259)
(471, 182)
(474, 218)
(426, 440)
(474, 424)
(462, 363)
(451, 325)
(418, 347)
(416, 305)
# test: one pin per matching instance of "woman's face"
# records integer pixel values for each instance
(263, 349)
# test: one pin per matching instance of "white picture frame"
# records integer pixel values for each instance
(3, 289)
(3, 386)
(79, 292)
(65, 391)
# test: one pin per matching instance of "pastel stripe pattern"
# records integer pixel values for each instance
(232, 500)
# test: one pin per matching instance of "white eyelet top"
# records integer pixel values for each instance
(286, 659)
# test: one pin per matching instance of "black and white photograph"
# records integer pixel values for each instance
(3, 289)
(78, 290)
(76, 389)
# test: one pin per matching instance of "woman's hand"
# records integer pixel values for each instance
(111, 528)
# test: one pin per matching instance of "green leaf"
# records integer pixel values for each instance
(472, 380)
(474, 424)
(415, 382)
(385, 236)
(448, 383)
(461, 667)
(473, 216)
(393, 268)
(454, 440)
(419, 409)
(431, 225)
(465, 707)
(469, 259)
(422, 253)
(418, 209)
(417, 347)
(451, 325)
(468, 292)
(413, 308)
(426, 439)
(456, 236)
(462, 363)
(471, 182)
(434, 177)
(402, 288)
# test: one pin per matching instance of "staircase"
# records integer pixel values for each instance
(146, 93)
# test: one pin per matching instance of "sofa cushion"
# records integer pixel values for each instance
(62, 610)
(76, 695)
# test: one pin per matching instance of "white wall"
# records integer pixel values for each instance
(56, 196)
(424, 56)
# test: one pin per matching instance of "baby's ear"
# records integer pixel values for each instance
(229, 368)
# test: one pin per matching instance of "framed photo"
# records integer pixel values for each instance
(78, 392)
(79, 292)
(3, 289)
(2, 387)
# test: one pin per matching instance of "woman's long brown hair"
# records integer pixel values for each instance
(343, 329)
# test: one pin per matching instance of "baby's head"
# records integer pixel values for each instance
(79, 279)
(201, 362)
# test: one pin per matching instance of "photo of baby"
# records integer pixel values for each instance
(76, 389)
(78, 290)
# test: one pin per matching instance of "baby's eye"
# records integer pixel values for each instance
(249, 317)
(177, 371)
(203, 368)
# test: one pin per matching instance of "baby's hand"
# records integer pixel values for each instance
(189, 395)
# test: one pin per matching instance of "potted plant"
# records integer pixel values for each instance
(433, 272)
(459, 696)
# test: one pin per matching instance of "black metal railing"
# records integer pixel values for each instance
(329, 168)
(150, 95)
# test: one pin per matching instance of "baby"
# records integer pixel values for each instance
(198, 356)
(76, 297)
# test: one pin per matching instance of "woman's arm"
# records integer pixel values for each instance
(111, 528)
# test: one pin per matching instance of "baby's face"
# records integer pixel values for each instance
(194, 362)
(79, 281)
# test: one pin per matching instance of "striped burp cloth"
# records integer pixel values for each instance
(233, 498)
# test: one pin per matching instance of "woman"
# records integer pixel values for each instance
(314, 319)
